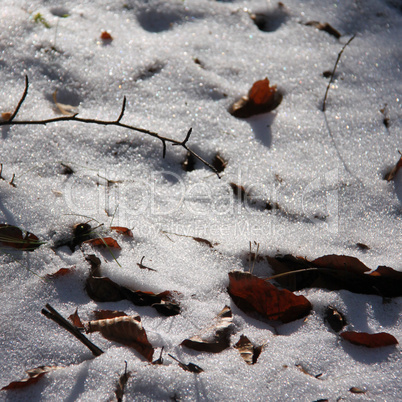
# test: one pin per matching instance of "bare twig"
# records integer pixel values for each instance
(333, 71)
(52, 314)
(116, 122)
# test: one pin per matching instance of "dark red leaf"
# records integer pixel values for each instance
(106, 36)
(253, 294)
(76, 320)
(369, 340)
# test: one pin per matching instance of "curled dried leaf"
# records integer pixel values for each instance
(34, 376)
(127, 330)
(215, 338)
(12, 236)
(104, 242)
(262, 98)
(369, 340)
(249, 352)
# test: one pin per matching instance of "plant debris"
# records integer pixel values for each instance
(12, 236)
(254, 295)
(325, 27)
(262, 98)
(34, 375)
(216, 338)
(394, 171)
(369, 340)
(249, 352)
(335, 319)
(193, 368)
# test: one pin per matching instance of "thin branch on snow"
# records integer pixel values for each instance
(333, 71)
(117, 122)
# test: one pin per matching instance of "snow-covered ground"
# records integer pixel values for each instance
(181, 64)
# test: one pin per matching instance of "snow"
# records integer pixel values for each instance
(327, 174)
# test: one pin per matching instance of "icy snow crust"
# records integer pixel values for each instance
(181, 64)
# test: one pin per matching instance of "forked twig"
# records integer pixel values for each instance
(116, 122)
(333, 71)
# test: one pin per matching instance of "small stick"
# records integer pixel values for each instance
(24, 95)
(333, 71)
(59, 319)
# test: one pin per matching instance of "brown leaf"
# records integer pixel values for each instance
(34, 376)
(336, 272)
(215, 338)
(325, 27)
(394, 171)
(127, 330)
(203, 241)
(356, 390)
(108, 314)
(253, 294)
(122, 230)
(76, 320)
(12, 236)
(104, 242)
(6, 116)
(60, 272)
(105, 36)
(103, 289)
(335, 319)
(248, 351)
(262, 98)
(219, 163)
(119, 392)
(369, 340)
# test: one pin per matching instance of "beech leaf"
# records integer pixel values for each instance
(252, 294)
(60, 272)
(248, 351)
(34, 376)
(369, 340)
(122, 230)
(261, 98)
(76, 320)
(215, 338)
(12, 236)
(127, 330)
(104, 242)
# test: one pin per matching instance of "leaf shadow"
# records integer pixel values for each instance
(261, 127)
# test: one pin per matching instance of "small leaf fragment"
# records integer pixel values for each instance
(76, 320)
(67, 110)
(105, 36)
(249, 352)
(262, 98)
(104, 242)
(6, 116)
(325, 27)
(369, 340)
(34, 376)
(119, 392)
(394, 171)
(215, 338)
(335, 319)
(122, 230)
(356, 390)
(60, 272)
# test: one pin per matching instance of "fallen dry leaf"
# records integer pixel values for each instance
(103, 289)
(262, 98)
(105, 36)
(6, 116)
(127, 330)
(104, 242)
(76, 320)
(252, 294)
(335, 272)
(369, 340)
(215, 338)
(119, 392)
(394, 171)
(219, 163)
(107, 314)
(60, 272)
(249, 352)
(12, 236)
(335, 319)
(122, 230)
(34, 376)
(325, 27)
